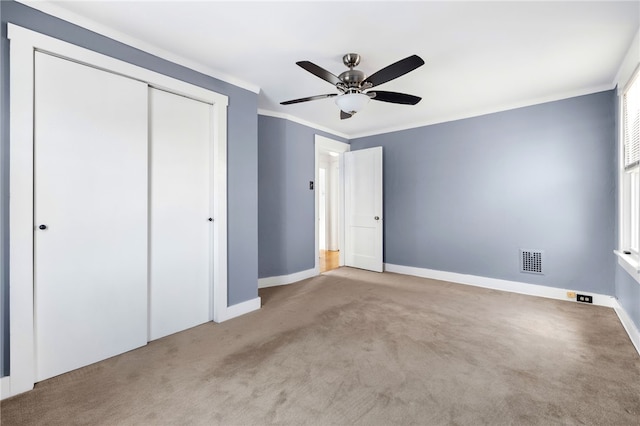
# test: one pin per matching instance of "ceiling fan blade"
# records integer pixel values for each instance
(319, 72)
(395, 70)
(395, 97)
(345, 115)
(310, 98)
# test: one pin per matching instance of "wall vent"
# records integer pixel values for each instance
(531, 261)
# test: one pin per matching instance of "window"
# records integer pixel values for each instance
(630, 169)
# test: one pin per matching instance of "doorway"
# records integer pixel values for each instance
(329, 247)
(329, 202)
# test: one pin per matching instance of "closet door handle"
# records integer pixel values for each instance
(210, 219)
(43, 227)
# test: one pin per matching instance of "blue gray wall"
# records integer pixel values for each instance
(464, 196)
(286, 240)
(242, 156)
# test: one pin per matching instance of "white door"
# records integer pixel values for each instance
(363, 208)
(180, 255)
(90, 210)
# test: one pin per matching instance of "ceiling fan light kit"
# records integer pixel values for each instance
(352, 102)
(352, 84)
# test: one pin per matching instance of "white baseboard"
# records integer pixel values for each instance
(5, 387)
(478, 281)
(522, 288)
(287, 279)
(241, 309)
(498, 284)
(628, 325)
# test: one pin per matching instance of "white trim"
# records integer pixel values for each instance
(483, 111)
(23, 44)
(242, 308)
(54, 10)
(21, 333)
(628, 325)
(627, 70)
(325, 144)
(498, 284)
(286, 279)
(59, 12)
(219, 204)
(25, 38)
(5, 387)
(630, 264)
(445, 118)
(622, 199)
(629, 64)
(276, 114)
(329, 144)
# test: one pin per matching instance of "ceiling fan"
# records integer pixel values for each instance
(352, 84)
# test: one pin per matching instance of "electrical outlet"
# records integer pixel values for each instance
(584, 298)
(571, 295)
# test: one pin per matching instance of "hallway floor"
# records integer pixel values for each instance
(329, 260)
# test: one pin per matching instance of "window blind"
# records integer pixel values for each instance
(631, 116)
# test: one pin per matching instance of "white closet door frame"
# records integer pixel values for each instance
(24, 43)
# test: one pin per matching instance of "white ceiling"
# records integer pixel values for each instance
(480, 57)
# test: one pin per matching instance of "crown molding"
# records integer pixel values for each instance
(629, 64)
(485, 111)
(298, 120)
(59, 12)
(444, 118)
(73, 18)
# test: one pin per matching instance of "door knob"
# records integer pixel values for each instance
(377, 218)
(42, 226)
(210, 219)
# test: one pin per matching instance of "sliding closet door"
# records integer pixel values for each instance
(180, 229)
(90, 209)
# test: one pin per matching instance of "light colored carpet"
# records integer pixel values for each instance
(355, 347)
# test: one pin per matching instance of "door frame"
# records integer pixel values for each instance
(323, 144)
(24, 43)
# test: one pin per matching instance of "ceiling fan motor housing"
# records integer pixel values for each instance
(351, 79)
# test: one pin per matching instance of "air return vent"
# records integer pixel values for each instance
(531, 261)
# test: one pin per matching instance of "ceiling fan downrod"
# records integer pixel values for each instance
(351, 80)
